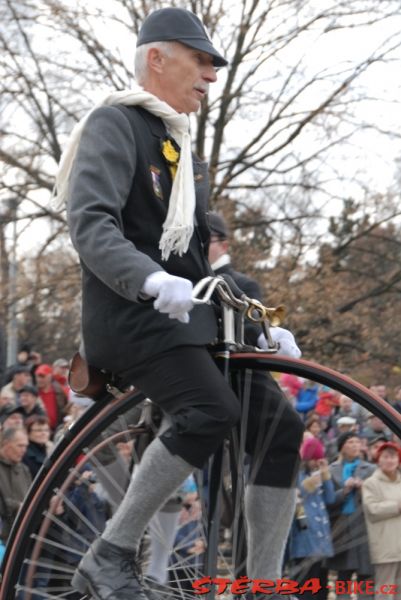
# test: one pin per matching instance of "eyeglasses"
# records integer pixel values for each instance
(40, 429)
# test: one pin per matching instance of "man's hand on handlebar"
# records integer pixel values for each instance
(173, 294)
(285, 339)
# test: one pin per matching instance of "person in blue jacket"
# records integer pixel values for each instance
(307, 397)
(310, 540)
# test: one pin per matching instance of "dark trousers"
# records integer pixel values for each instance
(186, 383)
(274, 432)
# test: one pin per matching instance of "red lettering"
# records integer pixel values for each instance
(359, 587)
(286, 586)
(222, 584)
(341, 587)
(262, 586)
(241, 585)
(311, 585)
(389, 589)
(199, 585)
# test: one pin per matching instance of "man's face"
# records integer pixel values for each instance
(217, 248)
(27, 400)
(14, 420)
(14, 450)
(5, 399)
(380, 390)
(185, 75)
(43, 379)
(21, 379)
(61, 371)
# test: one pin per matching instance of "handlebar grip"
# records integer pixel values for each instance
(238, 293)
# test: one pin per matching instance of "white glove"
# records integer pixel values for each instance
(288, 346)
(173, 294)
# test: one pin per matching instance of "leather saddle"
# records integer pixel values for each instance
(86, 380)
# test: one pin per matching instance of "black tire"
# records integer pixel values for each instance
(30, 543)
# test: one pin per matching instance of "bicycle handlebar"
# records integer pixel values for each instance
(231, 295)
(236, 307)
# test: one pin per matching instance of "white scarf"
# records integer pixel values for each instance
(178, 226)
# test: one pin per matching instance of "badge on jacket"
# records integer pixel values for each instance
(157, 188)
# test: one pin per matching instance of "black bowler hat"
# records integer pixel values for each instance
(217, 226)
(178, 25)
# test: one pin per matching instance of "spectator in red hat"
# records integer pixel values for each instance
(52, 395)
(381, 496)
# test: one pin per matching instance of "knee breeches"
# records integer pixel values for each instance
(274, 431)
(186, 383)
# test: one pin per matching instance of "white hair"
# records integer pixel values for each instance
(141, 63)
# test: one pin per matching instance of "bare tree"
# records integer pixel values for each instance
(272, 129)
(344, 305)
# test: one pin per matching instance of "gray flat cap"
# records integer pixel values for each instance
(178, 25)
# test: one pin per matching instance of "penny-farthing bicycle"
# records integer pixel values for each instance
(51, 532)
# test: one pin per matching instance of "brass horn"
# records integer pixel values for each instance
(275, 316)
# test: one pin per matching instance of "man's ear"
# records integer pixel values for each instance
(155, 60)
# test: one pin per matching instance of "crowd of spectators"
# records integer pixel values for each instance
(348, 518)
(36, 405)
(349, 484)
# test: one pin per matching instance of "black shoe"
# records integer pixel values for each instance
(108, 572)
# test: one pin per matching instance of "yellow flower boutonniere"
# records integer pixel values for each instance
(171, 153)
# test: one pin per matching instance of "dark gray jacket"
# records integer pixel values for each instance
(118, 201)
(15, 480)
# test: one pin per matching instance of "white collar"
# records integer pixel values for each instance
(222, 261)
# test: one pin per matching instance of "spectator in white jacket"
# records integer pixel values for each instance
(381, 497)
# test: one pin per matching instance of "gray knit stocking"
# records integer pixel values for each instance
(159, 474)
(269, 512)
